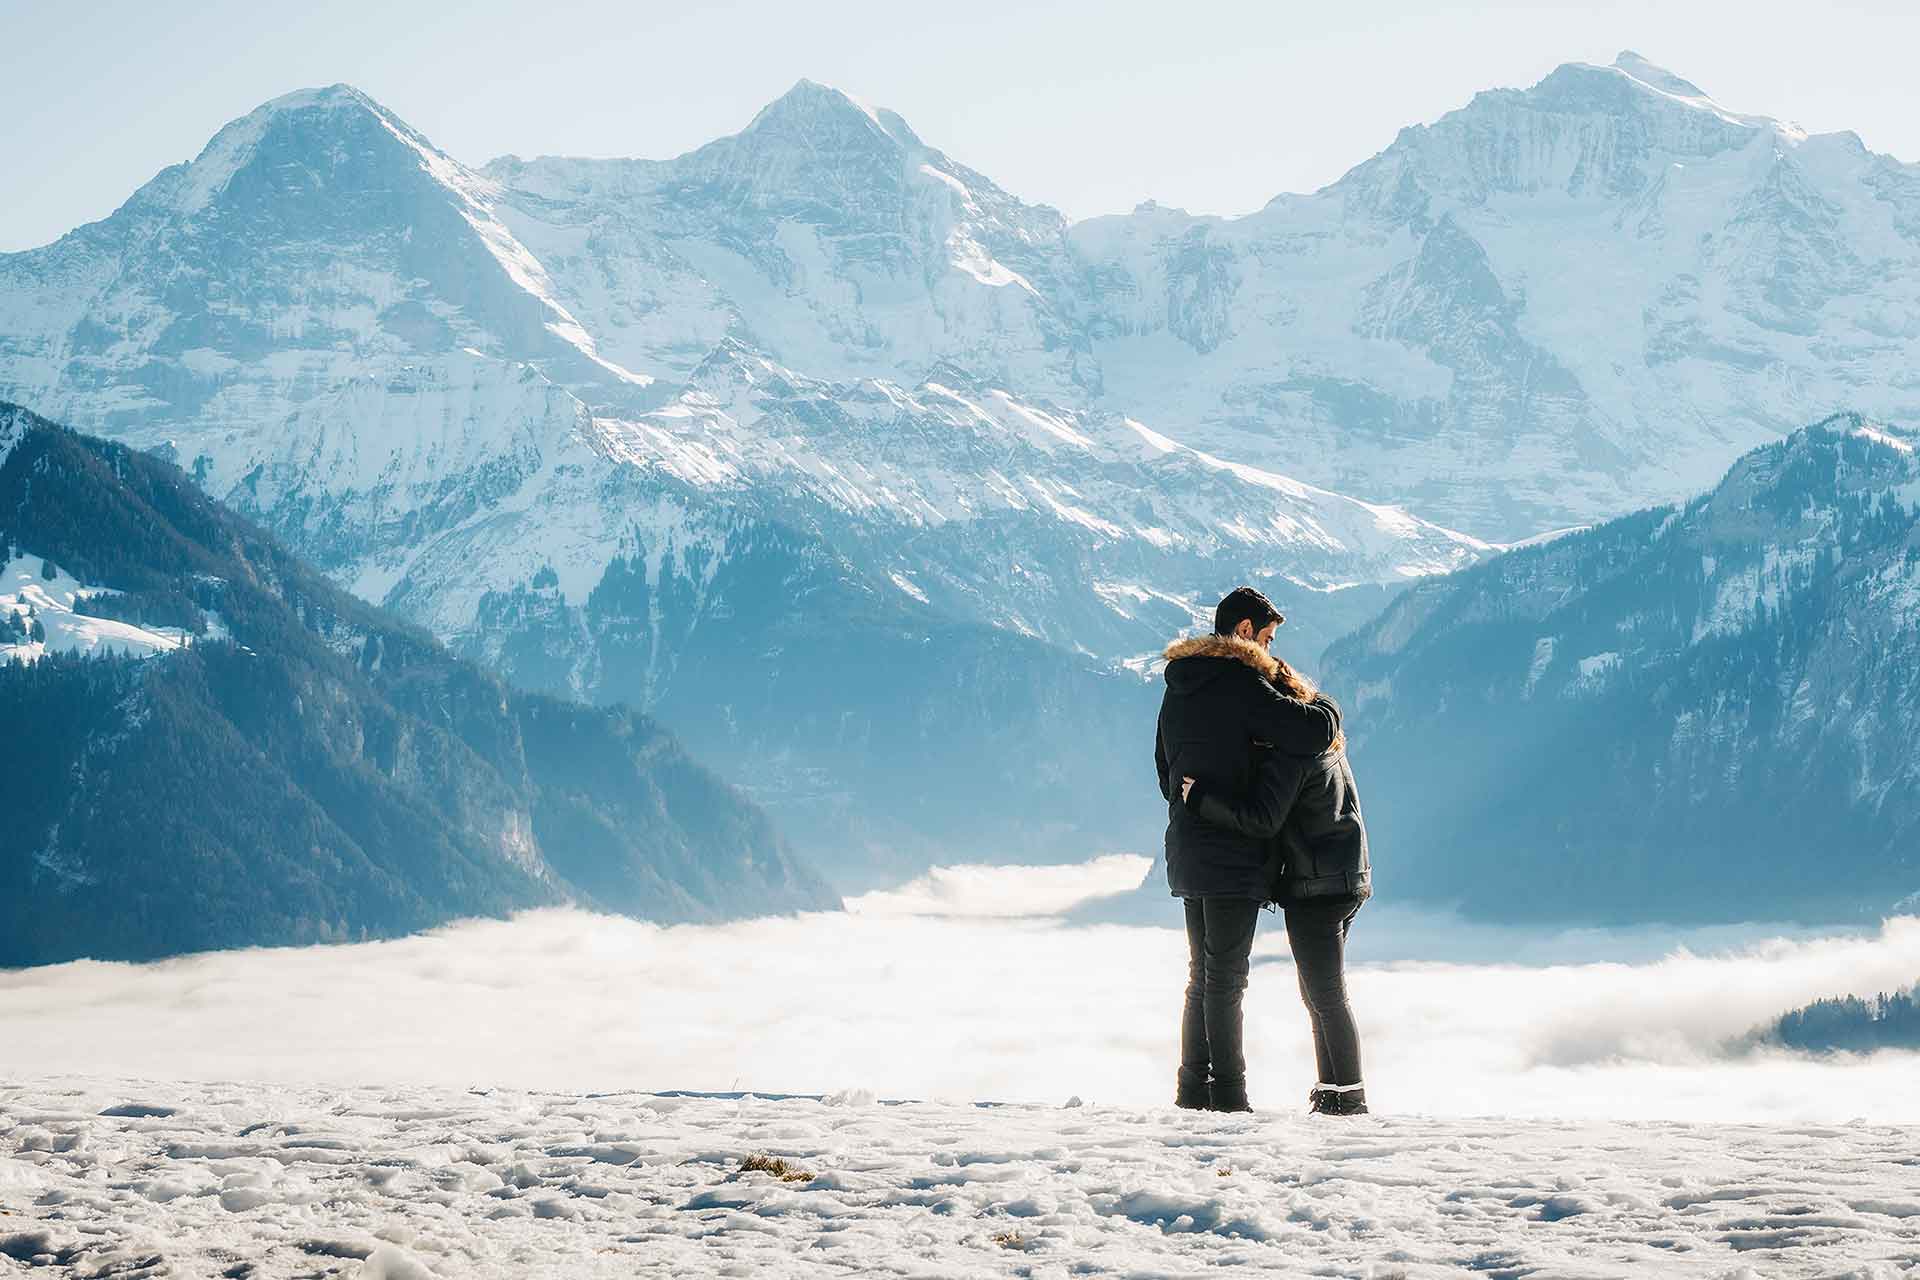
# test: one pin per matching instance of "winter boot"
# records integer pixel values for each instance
(1337, 1100)
(1190, 1091)
(1228, 1095)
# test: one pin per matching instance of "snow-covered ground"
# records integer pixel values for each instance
(110, 1178)
(496, 1098)
(27, 592)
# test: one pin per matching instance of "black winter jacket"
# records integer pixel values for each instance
(1311, 807)
(1219, 703)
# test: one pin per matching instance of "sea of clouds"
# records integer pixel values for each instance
(934, 990)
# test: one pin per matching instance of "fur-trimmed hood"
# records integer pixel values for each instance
(1232, 648)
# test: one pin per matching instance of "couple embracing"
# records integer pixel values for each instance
(1261, 808)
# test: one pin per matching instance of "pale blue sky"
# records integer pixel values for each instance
(1216, 107)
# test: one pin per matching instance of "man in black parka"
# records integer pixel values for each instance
(1219, 704)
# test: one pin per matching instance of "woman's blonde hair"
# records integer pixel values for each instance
(1295, 685)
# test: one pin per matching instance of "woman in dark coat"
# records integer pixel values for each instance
(1221, 699)
(1309, 808)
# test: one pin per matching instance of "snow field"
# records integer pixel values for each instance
(24, 586)
(140, 1178)
(1625, 1142)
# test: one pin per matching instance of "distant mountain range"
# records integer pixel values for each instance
(1701, 712)
(209, 745)
(674, 432)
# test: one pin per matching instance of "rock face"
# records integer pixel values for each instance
(540, 406)
(1701, 712)
(293, 765)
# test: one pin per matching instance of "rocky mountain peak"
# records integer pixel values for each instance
(812, 143)
(1585, 129)
(1633, 85)
(733, 368)
(1632, 64)
(307, 137)
(823, 114)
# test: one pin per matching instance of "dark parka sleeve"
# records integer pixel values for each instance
(1160, 763)
(1291, 726)
(1263, 810)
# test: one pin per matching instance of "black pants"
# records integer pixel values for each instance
(1317, 932)
(1219, 950)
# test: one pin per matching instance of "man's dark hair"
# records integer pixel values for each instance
(1244, 604)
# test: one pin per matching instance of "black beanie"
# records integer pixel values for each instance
(1244, 604)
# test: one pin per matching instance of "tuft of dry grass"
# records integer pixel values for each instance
(1009, 1239)
(778, 1166)
(1224, 1171)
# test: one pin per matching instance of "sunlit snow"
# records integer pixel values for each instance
(26, 591)
(373, 1182)
(496, 1099)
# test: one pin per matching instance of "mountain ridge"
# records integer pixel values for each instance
(496, 402)
(1703, 711)
(292, 765)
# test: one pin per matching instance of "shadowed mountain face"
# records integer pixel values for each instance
(539, 407)
(1707, 712)
(288, 764)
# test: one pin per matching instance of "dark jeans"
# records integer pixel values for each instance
(1219, 944)
(1317, 932)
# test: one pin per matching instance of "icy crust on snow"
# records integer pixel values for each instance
(103, 1177)
(25, 591)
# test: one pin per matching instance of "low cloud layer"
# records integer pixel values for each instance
(966, 1006)
(1001, 891)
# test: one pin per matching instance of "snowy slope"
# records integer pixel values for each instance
(1698, 711)
(315, 240)
(375, 350)
(1551, 305)
(825, 232)
(265, 759)
(122, 1177)
(494, 1097)
(483, 396)
(27, 592)
(1118, 536)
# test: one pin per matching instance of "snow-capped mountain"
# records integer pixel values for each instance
(826, 233)
(1552, 305)
(314, 241)
(537, 406)
(1707, 711)
(348, 333)
(1549, 306)
(209, 745)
